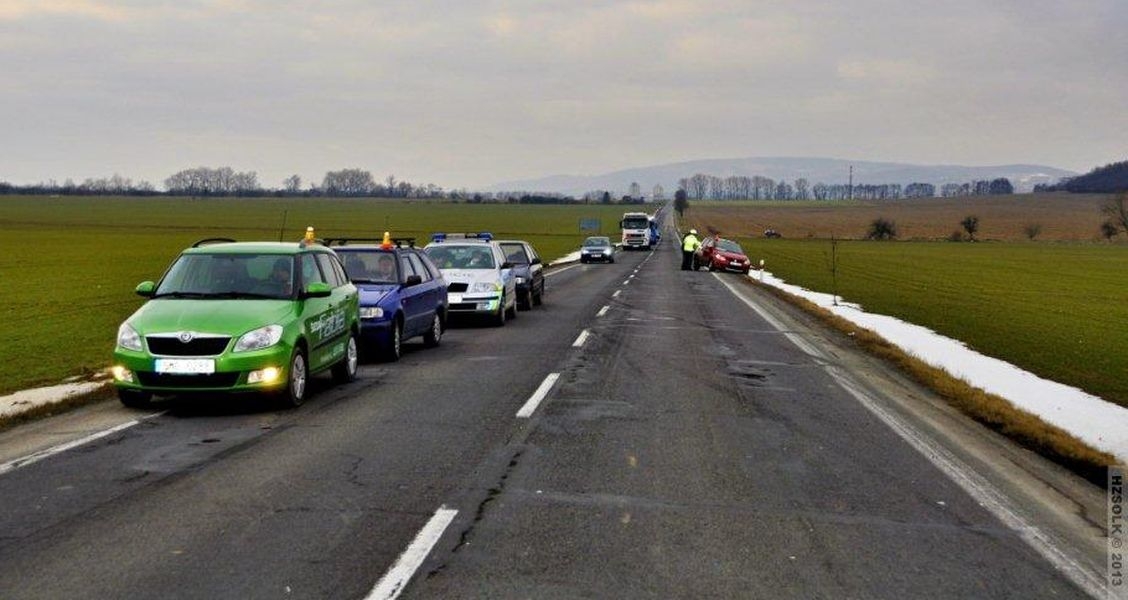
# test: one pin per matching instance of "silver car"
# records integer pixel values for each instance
(597, 249)
(479, 279)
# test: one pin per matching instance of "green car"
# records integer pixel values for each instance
(240, 317)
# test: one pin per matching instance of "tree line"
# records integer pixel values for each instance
(702, 186)
(1111, 178)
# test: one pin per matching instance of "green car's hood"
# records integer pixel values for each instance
(228, 317)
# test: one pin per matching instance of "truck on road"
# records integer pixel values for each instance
(637, 231)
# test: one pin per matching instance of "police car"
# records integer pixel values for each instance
(402, 293)
(240, 317)
(479, 279)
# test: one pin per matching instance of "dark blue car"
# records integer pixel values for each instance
(402, 294)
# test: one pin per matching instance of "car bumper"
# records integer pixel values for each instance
(473, 304)
(376, 331)
(231, 373)
(596, 257)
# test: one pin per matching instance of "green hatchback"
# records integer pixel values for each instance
(240, 317)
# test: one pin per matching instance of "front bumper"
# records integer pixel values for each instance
(595, 256)
(231, 372)
(480, 304)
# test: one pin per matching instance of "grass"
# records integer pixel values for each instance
(71, 263)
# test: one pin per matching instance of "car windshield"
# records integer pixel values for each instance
(597, 241)
(515, 253)
(729, 246)
(369, 265)
(229, 276)
(636, 223)
(462, 257)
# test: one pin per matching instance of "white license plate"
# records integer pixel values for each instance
(186, 366)
(454, 298)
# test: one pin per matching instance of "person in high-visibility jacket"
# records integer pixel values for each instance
(690, 244)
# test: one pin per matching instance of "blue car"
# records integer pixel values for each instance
(402, 293)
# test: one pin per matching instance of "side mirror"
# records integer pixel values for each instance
(145, 289)
(318, 289)
(412, 280)
(507, 265)
(536, 261)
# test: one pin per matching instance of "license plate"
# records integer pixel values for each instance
(454, 298)
(186, 366)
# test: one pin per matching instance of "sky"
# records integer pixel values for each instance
(464, 94)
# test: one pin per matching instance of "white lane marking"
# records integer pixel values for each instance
(534, 401)
(35, 457)
(974, 484)
(393, 582)
(603, 311)
(560, 270)
(616, 294)
(795, 338)
(581, 339)
(626, 282)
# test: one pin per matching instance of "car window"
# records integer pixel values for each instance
(478, 256)
(310, 272)
(326, 263)
(515, 253)
(730, 246)
(339, 269)
(426, 260)
(420, 270)
(532, 253)
(256, 275)
(370, 265)
(406, 268)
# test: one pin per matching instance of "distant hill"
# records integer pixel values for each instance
(1109, 178)
(825, 170)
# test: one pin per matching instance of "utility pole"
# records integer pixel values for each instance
(850, 188)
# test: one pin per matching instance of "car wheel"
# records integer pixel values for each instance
(297, 376)
(525, 301)
(513, 310)
(345, 370)
(538, 299)
(435, 334)
(583, 260)
(499, 318)
(395, 345)
(135, 399)
(712, 266)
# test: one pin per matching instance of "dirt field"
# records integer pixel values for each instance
(1062, 217)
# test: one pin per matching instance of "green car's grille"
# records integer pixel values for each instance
(201, 346)
(214, 380)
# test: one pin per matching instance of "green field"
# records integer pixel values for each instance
(71, 264)
(1058, 310)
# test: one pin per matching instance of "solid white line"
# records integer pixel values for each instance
(531, 405)
(974, 484)
(393, 582)
(603, 311)
(616, 294)
(581, 339)
(35, 457)
(560, 270)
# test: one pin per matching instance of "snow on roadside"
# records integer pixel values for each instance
(26, 400)
(1093, 420)
(567, 258)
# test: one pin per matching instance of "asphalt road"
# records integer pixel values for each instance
(693, 446)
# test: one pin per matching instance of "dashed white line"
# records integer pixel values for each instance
(35, 457)
(534, 401)
(580, 339)
(603, 311)
(393, 582)
(616, 294)
(626, 282)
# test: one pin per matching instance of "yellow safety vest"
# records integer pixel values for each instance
(691, 243)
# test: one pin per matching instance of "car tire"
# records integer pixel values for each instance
(297, 380)
(712, 267)
(345, 370)
(513, 311)
(394, 350)
(499, 318)
(135, 398)
(434, 335)
(611, 259)
(525, 301)
(583, 260)
(538, 299)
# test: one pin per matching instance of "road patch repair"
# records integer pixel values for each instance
(1094, 421)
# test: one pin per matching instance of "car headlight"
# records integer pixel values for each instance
(128, 338)
(482, 287)
(263, 337)
(371, 312)
(520, 280)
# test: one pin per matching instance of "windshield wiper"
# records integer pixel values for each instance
(234, 294)
(181, 295)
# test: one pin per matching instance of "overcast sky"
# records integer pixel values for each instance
(463, 94)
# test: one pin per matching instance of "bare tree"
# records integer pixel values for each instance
(292, 184)
(1117, 210)
(681, 203)
(970, 225)
(1032, 230)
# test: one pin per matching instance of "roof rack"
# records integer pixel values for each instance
(479, 235)
(404, 242)
(208, 241)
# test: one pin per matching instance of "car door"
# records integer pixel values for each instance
(430, 295)
(316, 313)
(414, 309)
(536, 270)
(506, 276)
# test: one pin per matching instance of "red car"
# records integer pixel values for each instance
(719, 254)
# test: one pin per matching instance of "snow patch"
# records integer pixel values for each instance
(26, 400)
(1092, 419)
